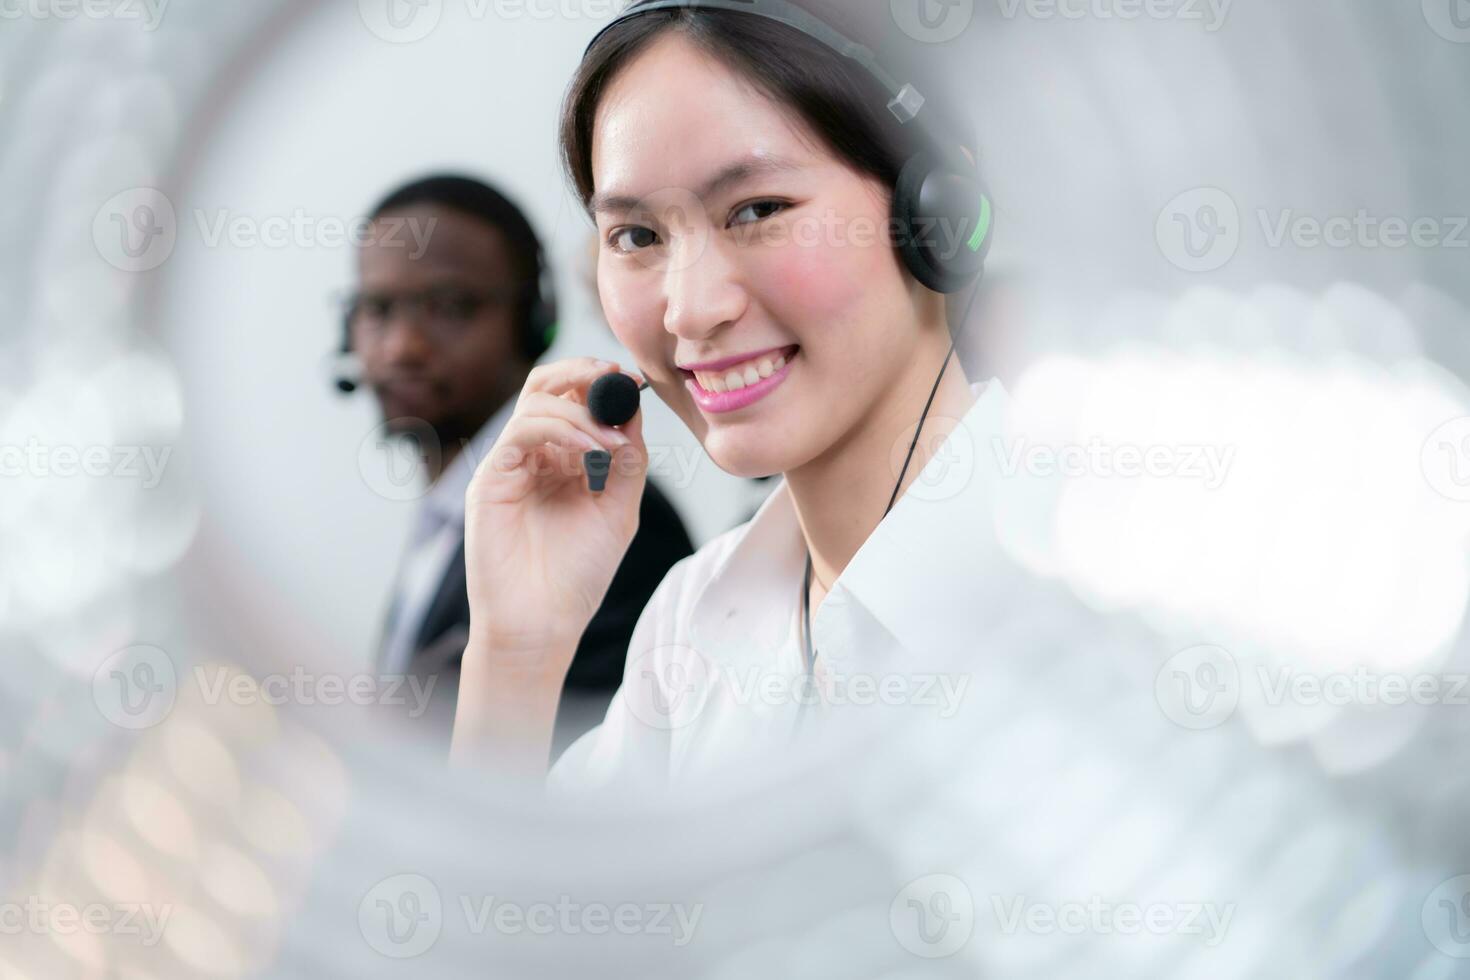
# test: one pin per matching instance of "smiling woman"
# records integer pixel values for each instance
(730, 209)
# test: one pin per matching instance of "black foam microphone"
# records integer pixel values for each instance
(613, 400)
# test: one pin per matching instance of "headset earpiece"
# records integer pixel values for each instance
(345, 381)
(944, 220)
(540, 328)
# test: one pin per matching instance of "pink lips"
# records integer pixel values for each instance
(718, 402)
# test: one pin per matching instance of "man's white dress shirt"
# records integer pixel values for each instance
(434, 543)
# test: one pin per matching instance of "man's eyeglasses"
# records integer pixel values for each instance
(444, 310)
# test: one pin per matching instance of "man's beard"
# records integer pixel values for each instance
(443, 438)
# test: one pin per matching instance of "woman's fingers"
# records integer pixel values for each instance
(526, 434)
(546, 405)
(632, 431)
(552, 426)
(571, 376)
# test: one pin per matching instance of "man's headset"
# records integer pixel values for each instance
(941, 208)
(535, 333)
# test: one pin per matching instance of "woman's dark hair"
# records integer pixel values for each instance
(837, 99)
(477, 199)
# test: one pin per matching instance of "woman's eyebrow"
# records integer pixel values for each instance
(728, 176)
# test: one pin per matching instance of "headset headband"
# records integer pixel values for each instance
(904, 100)
(940, 184)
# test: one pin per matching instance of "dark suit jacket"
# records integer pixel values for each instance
(597, 668)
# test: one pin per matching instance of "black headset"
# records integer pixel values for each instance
(941, 208)
(534, 334)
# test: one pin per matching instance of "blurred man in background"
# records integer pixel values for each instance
(453, 308)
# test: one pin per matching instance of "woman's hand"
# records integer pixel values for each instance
(540, 548)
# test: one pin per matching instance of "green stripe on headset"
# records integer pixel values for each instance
(982, 227)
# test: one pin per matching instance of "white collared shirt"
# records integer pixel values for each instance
(715, 672)
(438, 531)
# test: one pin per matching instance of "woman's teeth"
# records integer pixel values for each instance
(741, 375)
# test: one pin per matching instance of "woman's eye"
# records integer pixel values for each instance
(633, 239)
(757, 211)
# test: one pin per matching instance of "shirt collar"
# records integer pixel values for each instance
(446, 497)
(746, 606)
(921, 567)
